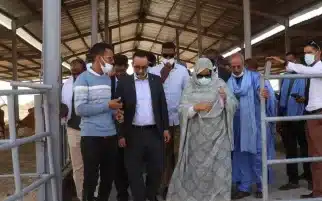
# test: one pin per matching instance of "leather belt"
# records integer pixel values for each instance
(145, 127)
(315, 111)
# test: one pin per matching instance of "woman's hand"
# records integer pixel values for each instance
(202, 107)
(222, 93)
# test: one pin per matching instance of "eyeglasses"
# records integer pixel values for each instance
(236, 66)
(204, 76)
(168, 55)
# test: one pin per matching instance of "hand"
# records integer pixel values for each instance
(202, 107)
(300, 100)
(122, 142)
(119, 116)
(115, 104)
(111, 74)
(166, 136)
(264, 93)
(277, 59)
(222, 93)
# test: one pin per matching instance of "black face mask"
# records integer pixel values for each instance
(168, 56)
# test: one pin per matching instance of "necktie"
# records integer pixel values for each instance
(165, 71)
(307, 89)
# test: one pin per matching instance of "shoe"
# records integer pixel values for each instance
(310, 185)
(240, 195)
(164, 193)
(307, 196)
(289, 186)
(258, 195)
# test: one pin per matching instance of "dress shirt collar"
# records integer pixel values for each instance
(136, 78)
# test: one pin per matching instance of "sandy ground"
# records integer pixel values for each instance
(27, 165)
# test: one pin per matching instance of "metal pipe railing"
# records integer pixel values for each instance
(22, 141)
(293, 76)
(265, 120)
(293, 118)
(30, 188)
(14, 149)
(294, 160)
(33, 175)
(30, 85)
(50, 149)
(22, 92)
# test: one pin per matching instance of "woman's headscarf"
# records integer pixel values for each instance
(201, 65)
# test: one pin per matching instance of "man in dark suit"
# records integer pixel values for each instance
(144, 129)
(121, 178)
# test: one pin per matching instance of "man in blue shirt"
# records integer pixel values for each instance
(92, 91)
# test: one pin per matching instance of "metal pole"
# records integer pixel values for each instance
(287, 37)
(199, 28)
(52, 76)
(247, 29)
(263, 135)
(177, 44)
(94, 22)
(106, 28)
(15, 150)
(15, 66)
(40, 145)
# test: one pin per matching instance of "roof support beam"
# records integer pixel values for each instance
(73, 23)
(94, 27)
(132, 39)
(22, 21)
(108, 34)
(119, 21)
(199, 37)
(277, 18)
(164, 21)
(247, 29)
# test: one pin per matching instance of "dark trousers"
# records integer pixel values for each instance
(293, 135)
(99, 156)
(121, 180)
(144, 147)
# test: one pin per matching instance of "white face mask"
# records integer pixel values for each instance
(170, 61)
(107, 68)
(309, 59)
(237, 76)
(204, 81)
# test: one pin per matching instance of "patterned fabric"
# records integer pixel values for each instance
(203, 171)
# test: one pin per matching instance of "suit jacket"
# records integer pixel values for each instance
(126, 90)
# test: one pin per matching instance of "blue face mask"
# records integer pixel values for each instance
(204, 81)
(309, 59)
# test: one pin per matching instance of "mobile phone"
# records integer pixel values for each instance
(295, 95)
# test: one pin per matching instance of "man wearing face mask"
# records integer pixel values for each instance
(247, 153)
(174, 78)
(94, 105)
(219, 64)
(144, 129)
(78, 66)
(313, 101)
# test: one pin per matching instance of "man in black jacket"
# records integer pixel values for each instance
(144, 129)
(220, 64)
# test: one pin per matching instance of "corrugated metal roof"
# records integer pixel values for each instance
(222, 27)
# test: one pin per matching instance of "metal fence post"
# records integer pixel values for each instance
(15, 150)
(40, 145)
(264, 135)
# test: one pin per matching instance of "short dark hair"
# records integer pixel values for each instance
(78, 61)
(97, 49)
(121, 60)
(168, 45)
(152, 59)
(313, 44)
(140, 53)
(291, 53)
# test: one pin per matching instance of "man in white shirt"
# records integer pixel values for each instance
(78, 66)
(314, 106)
(174, 77)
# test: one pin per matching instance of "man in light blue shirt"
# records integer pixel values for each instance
(92, 98)
(174, 77)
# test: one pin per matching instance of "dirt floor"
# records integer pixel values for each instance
(27, 165)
